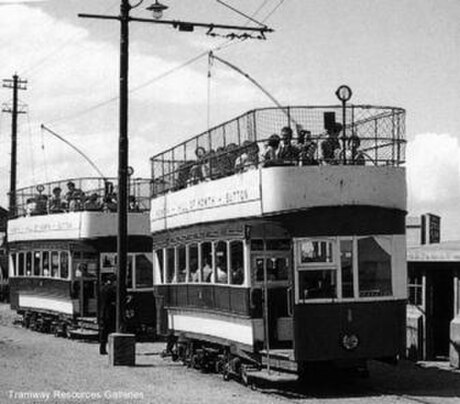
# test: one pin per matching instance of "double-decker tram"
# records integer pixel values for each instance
(279, 240)
(62, 248)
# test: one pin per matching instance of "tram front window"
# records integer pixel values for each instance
(374, 266)
(277, 269)
(319, 284)
(144, 274)
(64, 264)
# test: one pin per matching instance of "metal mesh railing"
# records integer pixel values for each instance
(370, 135)
(81, 194)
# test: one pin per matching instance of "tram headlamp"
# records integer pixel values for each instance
(350, 342)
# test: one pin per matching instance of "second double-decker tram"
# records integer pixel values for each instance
(62, 248)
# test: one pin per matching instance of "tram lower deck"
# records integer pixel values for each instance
(324, 285)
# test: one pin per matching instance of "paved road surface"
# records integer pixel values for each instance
(69, 371)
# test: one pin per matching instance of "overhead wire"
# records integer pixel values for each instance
(273, 11)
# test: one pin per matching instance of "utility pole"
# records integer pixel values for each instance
(16, 84)
(122, 240)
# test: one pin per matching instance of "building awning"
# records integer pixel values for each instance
(448, 251)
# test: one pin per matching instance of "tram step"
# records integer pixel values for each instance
(84, 333)
(280, 359)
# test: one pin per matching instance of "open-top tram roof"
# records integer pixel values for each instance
(380, 132)
(80, 194)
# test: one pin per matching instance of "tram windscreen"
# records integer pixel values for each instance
(374, 267)
(317, 284)
(144, 272)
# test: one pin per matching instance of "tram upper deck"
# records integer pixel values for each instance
(77, 208)
(273, 160)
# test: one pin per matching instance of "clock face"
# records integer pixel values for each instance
(344, 93)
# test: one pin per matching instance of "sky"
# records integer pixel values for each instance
(403, 53)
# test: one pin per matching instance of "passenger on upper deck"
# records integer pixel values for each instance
(55, 203)
(357, 156)
(331, 146)
(133, 206)
(307, 148)
(200, 171)
(287, 152)
(269, 156)
(92, 203)
(75, 197)
(249, 157)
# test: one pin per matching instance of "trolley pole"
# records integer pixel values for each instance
(16, 84)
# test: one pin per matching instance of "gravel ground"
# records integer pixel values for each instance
(70, 371)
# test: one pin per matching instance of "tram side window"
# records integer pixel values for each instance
(37, 263)
(159, 266)
(20, 268)
(46, 263)
(317, 284)
(181, 264)
(14, 269)
(144, 273)
(29, 263)
(221, 262)
(346, 260)
(374, 267)
(315, 252)
(206, 261)
(194, 273)
(64, 264)
(54, 264)
(170, 264)
(237, 262)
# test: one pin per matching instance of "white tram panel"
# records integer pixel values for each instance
(273, 190)
(73, 225)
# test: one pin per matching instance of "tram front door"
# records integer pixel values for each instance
(272, 275)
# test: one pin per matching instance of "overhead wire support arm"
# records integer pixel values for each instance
(184, 25)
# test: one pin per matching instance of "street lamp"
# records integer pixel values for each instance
(344, 93)
(157, 9)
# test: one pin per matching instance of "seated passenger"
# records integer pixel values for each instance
(199, 171)
(307, 149)
(194, 275)
(249, 157)
(92, 203)
(207, 271)
(30, 206)
(287, 152)
(330, 147)
(221, 271)
(133, 206)
(55, 203)
(110, 203)
(74, 197)
(270, 157)
(41, 203)
(238, 275)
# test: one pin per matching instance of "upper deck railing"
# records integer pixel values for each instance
(373, 135)
(81, 194)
